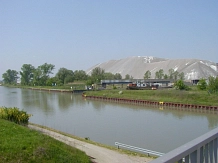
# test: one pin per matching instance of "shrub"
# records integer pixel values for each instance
(14, 115)
(202, 84)
(213, 85)
(179, 84)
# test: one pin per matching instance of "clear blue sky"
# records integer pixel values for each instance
(77, 34)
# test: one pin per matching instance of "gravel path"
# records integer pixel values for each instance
(97, 153)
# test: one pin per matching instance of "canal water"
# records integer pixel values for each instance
(158, 129)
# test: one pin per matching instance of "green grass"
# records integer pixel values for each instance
(20, 144)
(193, 96)
(75, 86)
(120, 150)
(166, 95)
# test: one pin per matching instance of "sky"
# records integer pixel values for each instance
(78, 34)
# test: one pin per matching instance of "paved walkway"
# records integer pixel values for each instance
(97, 153)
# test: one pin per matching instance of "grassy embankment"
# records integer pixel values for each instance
(20, 144)
(120, 150)
(80, 85)
(193, 96)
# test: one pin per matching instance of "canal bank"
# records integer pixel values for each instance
(96, 153)
(105, 122)
(58, 90)
(170, 97)
(153, 103)
(160, 104)
(193, 99)
(135, 101)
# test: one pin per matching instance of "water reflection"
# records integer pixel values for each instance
(157, 128)
(99, 106)
(212, 123)
(185, 112)
(64, 102)
(37, 100)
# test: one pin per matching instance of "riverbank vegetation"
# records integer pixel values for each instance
(165, 95)
(14, 115)
(87, 140)
(41, 76)
(31, 77)
(80, 85)
(20, 144)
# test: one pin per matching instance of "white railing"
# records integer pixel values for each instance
(200, 150)
(149, 152)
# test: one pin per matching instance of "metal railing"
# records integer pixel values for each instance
(149, 152)
(200, 150)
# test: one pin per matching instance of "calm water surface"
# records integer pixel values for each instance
(158, 129)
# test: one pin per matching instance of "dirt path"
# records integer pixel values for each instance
(97, 153)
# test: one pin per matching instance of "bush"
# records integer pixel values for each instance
(14, 115)
(213, 85)
(179, 84)
(202, 84)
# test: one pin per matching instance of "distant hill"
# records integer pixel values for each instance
(136, 66)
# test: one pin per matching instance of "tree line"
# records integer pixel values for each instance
(172, 74)
(41, 76)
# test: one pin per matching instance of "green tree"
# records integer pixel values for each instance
(89, 82)
(213, 84)
(42, 74)
(47, 69)
(108, 76)
(127, 77)
(10, 76)
(147, 74)
(171, 72)
(202, 84)
(65, 75)
(166, 76)
(117, 76)
(69, 79)
(97, 74)
(175, 75)
(179, 84)
(27, 71)
(53, 81)
(80, 75)
(159, 74)
(181, 76)
(37, 76)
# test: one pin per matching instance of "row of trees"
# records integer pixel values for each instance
(172, 74)
(29, 75)
(41, 76)
(10, 76)
(211, 85)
